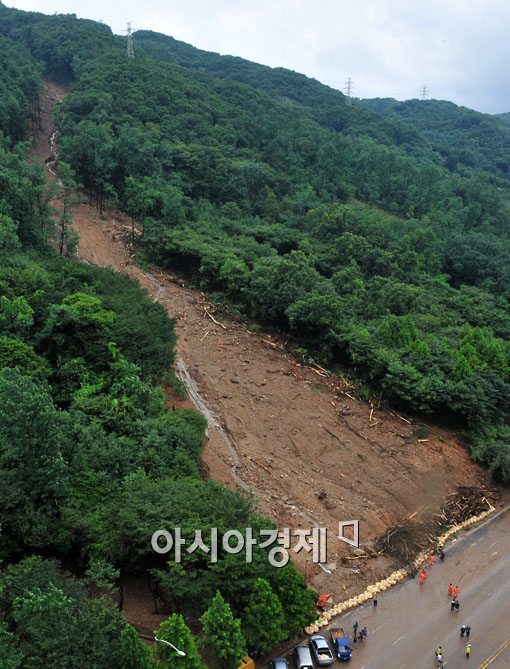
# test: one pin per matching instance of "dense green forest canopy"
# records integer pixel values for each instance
(504, 117)
(92, 462)
(378, 241)
(440, 131)
(377, 234)
(465, 138)
(324, 104)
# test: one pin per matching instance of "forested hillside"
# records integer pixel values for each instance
(465, 138)
(376, 234)
(291, 89)
(504, 117)
(91, 460)
(378, 254)
(439, 131)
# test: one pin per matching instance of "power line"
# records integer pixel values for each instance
(349, 87)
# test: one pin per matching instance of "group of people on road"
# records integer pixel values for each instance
(359, 636)
(454, 594)
(439, 650)
(465, 630)
(431, 559)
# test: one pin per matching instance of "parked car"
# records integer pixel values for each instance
(279, 663)
(303, 657)
(321, 651)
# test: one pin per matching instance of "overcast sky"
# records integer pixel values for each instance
(390, 48)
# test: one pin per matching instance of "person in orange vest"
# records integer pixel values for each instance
(450, 590)
(432, 560)
(456, 592)
(422, 578)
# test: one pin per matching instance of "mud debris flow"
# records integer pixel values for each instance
(294, 436)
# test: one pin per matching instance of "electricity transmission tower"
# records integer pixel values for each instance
(130, 50)
(349, 87)
(424, 93)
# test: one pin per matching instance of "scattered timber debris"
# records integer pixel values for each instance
(412, 535)
(468, 501)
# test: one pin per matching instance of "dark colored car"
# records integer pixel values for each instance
(279, 663)
(341, 643)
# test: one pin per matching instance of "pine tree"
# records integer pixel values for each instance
(176, 632)
(263, 620)
(134, 654)
(222, 633)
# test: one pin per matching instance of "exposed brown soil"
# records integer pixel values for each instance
(310, 452)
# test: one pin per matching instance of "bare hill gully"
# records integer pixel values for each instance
(309, 451)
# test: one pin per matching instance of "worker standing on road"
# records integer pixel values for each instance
(450, 590)
(422, 578)
(364, 631)
(442, 554)
(468, 630)
(355, 628)
(457, 605)
(432, 559)
(462, 630)
(375, 602)
(468, 650)
(456, 591)
(452, 605)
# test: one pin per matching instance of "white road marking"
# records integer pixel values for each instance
(376, 629)
(399, 639)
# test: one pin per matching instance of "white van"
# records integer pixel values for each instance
(303, 657)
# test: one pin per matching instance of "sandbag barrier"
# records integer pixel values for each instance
(394, 578)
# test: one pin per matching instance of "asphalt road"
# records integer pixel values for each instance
(410, 622)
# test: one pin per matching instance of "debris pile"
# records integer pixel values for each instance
(466, 502)
(405, 540)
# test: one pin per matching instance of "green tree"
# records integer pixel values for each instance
(15, 353)
(222, 633)
(10, 656)
(16, 316)
(42, 619)
(175, 631)
(68, 187)
(79, 326)
(133, 653)
(296, 599)
(10, 244)
(263, 619)
(90, 149)
(33, 473)
(142, 197)
(48, 611)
